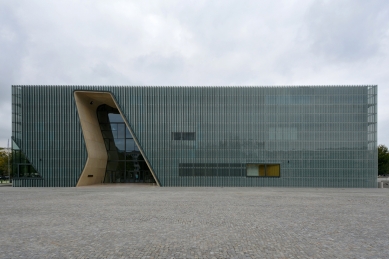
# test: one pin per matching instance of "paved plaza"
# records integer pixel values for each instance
(128, 221)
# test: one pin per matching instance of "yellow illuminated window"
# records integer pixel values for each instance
(273, 170)
(263, 170)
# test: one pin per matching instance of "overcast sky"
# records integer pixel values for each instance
(194, 43)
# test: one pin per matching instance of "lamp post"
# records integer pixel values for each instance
(9, 172)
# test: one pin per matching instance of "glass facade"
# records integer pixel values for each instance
(316, 136)
(21, 166)
(125, 162)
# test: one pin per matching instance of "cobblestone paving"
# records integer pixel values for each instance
(153, 222)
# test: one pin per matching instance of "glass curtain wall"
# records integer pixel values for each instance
(125, 162)
(21, 166)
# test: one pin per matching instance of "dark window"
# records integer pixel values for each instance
(235, 172)
(176, 135)
(183, 136)
(26, 170)
(188, 136)
(210, 169)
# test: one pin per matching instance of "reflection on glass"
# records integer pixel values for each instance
(128, 134)
(21, 166)
(125, 162)
(121, 131)
(115, 117)
(130, 145)
(120, 144)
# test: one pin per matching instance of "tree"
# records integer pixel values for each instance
(383, 160)
(4, 162)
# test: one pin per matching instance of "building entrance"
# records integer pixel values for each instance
(125, 162)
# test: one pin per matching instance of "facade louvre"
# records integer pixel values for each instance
(320, 136)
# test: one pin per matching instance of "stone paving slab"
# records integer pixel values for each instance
(152, 222)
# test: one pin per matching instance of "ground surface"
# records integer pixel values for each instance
(152, 222)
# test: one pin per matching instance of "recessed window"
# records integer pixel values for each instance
(263, 170)
(188, 136)
(211, 169)
(183, 136)
(176, 135)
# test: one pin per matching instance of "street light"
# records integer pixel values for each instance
(9, 172)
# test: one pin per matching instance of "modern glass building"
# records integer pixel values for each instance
(292, 136)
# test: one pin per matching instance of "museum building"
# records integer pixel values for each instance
(280, 136)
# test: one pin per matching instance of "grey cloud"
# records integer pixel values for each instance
(106, 74)
(193, 43)
(13, 42)
(5, 125)
(347, 31)
(156, 66)
(13, 45)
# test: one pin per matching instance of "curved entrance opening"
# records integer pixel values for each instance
(114, 154)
